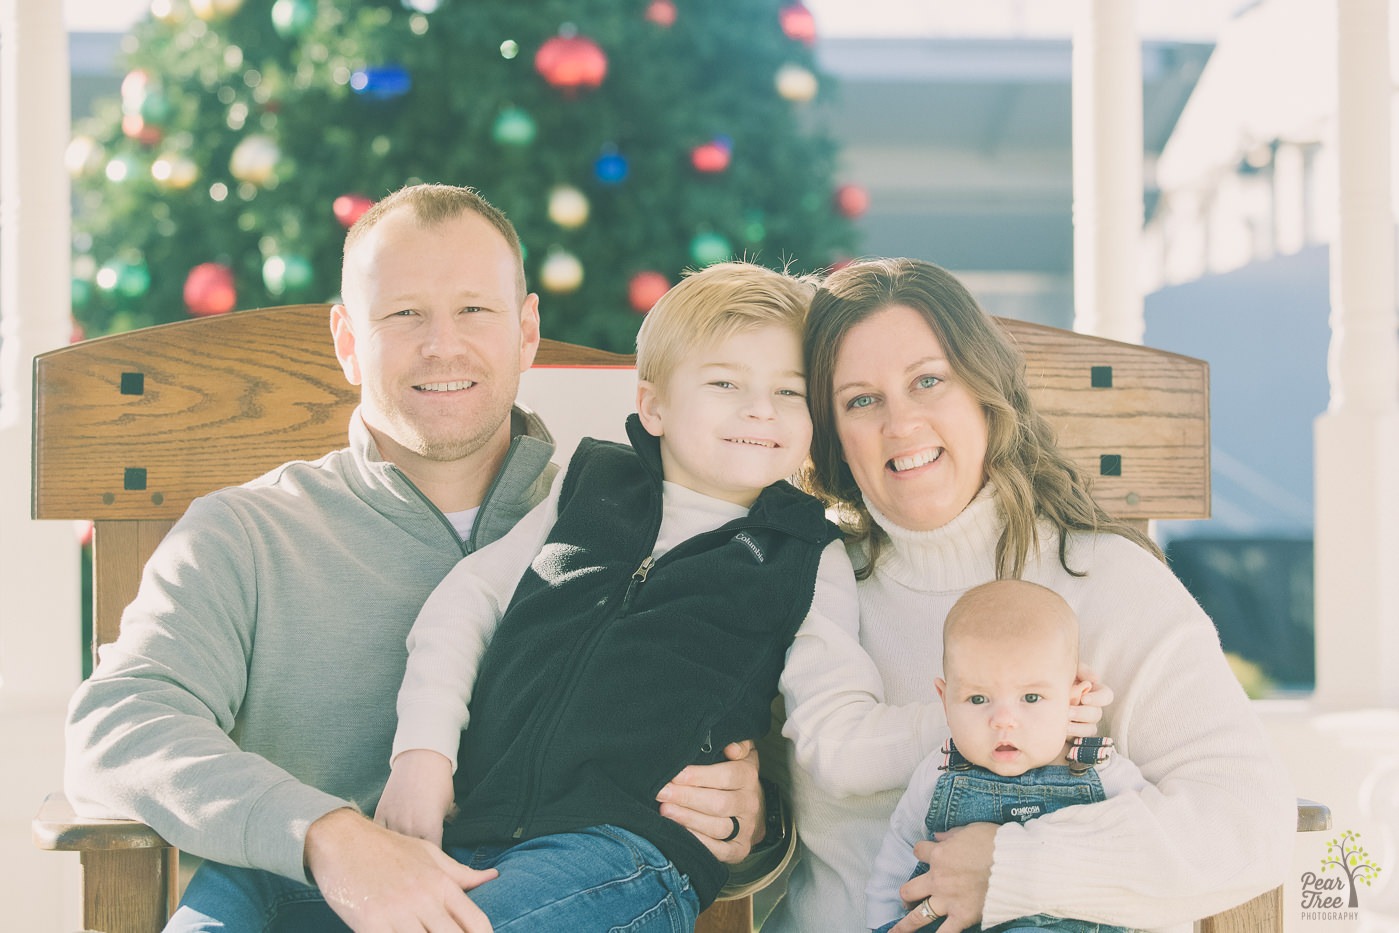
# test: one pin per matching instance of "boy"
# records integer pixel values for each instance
(1010, 656)
(633, 623)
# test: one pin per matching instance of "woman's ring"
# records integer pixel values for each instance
(733, 835)
(925, 910)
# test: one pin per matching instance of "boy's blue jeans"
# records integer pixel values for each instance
(966, 794)
(602, 878)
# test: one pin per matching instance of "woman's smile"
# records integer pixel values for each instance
(912, 434)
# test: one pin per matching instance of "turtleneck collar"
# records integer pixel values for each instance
(958, 555)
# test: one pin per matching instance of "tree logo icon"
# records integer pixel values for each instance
(1354, 867)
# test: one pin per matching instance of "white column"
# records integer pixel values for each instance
(39, 597)
(1107, 170)
(1357, 439)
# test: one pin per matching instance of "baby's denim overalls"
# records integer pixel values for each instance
(966, 793)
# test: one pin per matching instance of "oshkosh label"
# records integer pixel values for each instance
(1021, 812)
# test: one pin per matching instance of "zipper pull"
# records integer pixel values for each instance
(638, 577)
(708, 745)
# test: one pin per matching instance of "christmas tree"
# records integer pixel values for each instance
(628, 140)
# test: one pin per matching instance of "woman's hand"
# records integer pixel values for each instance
(1085, 715)
(704, 798)
(959, 872)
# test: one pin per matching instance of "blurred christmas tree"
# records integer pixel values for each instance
(627, 140)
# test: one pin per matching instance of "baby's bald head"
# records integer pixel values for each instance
(1005, 612)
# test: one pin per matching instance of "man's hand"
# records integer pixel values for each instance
(1088, 712)
(702, 798)
(418, 795)
(378, 881)
(959, 872)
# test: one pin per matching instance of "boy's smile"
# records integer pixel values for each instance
(732, 417)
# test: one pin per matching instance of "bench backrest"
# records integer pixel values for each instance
(128, 429)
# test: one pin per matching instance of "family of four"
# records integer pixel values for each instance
(583, 658)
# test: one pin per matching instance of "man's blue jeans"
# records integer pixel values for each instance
(602, 878)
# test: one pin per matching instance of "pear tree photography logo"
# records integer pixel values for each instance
(1335, 896)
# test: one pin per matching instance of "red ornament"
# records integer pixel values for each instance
(645, 289)
(209, 289)
(662, 13)
(852, 200)
(841, 263)
(350, 207)
(135, 127)
(571, 63)
(798, 24)
(710, 158)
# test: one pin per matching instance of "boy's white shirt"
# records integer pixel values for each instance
(456, 623)
(895, 862)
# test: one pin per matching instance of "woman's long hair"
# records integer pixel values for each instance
(1033, 479)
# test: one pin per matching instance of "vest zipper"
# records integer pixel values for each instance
(565, 690)
(581, 656)
(638, 577)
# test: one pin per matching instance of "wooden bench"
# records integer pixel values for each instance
(129, 429)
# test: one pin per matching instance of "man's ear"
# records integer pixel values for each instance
(648, 407)
(343, 333)
(529, 331)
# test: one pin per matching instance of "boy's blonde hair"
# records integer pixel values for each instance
(714, 304)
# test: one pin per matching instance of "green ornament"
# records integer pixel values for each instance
(82, 294)
(122, 279)
(709, 248)
(156, 108)
(514, 127)
(289, 273)
(754, 230)
(292, 18)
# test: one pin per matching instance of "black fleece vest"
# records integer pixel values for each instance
(608, 672)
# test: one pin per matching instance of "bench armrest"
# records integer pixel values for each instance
(56, 827)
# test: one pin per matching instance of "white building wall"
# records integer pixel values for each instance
(39, 589)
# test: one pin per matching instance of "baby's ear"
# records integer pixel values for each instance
(941, 687)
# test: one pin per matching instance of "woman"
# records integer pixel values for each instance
(927, 443)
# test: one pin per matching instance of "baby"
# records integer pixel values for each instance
(1010, 655)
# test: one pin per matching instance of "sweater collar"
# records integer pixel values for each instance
(531, 446)
(956, 556)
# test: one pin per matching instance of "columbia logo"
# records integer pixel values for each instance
(743, 539)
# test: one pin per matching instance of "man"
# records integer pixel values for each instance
(247, 709)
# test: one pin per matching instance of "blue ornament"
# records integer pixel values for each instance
(383, 82)
(611, 168)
